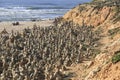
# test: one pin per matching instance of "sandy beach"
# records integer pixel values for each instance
(24, 24)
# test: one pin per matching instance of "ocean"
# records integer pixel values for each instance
(23, 10)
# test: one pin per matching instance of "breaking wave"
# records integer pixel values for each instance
(28, 13)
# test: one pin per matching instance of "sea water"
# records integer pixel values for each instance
(23, 10)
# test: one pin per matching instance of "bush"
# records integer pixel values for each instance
(116, 58)
(114, 31)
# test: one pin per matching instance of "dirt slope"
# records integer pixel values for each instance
(103, 14)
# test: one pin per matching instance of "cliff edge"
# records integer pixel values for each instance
(96, 13)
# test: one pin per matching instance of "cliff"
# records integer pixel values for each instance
(96, 13)
(104, 15)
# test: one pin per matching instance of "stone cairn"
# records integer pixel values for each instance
(42, 53)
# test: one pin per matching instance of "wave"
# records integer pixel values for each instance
(23, 13)
(26, 10)
(36, 8)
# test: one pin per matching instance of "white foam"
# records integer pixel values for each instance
(22, 13)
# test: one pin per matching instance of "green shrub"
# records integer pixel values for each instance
(117, 16)
(114, 31)
(96, 52)
(116, 58)
(117, 19)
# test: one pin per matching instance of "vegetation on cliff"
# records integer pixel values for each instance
(116, 57)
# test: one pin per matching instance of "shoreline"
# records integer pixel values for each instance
(24, 24)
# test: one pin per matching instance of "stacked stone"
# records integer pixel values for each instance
(43, 53)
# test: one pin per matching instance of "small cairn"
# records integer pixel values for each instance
(43, 53)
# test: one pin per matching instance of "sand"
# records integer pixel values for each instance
(24, 24)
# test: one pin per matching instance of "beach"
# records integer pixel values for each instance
(57, 40)
(38, 43)
(23, 24)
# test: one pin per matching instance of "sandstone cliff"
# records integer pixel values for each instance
(97, 13)
(105, 15)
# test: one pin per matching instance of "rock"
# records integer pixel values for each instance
(1, 66)
(89, 64)
(92, 73)
(33, 20)
(15, 23)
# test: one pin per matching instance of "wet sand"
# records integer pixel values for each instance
(24, 24)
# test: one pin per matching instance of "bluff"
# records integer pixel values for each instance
(97, 13)
(105, 16)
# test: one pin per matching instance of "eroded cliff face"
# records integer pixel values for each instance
(103, 14)
(95, 13)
